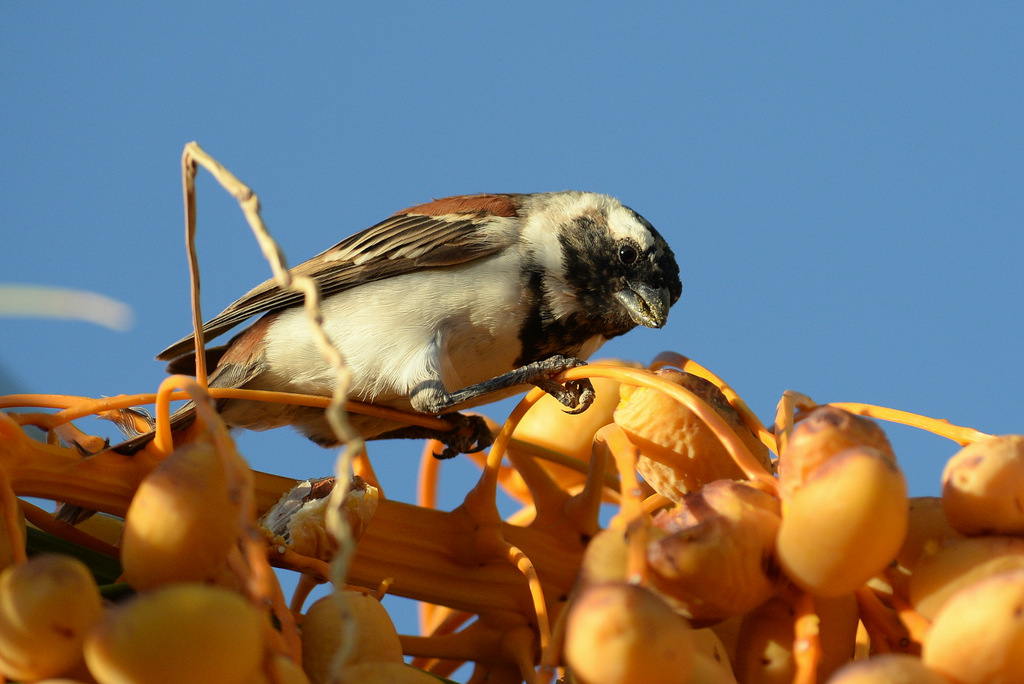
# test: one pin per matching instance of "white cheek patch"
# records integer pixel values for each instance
(541, 239)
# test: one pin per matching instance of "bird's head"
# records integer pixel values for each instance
(618, 271)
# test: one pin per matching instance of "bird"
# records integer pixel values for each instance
(442, 307)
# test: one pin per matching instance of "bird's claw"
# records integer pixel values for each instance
(584, 393)
(576, 395)
(469, 436)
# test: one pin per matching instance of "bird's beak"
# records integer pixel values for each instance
(646, 305)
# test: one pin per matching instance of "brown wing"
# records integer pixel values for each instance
(444, 232)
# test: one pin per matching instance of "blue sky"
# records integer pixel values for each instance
(843, 185)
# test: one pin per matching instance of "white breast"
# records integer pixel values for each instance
(460, 324)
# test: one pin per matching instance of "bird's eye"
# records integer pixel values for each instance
(628, 254)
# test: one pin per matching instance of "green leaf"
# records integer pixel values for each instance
(105, 569)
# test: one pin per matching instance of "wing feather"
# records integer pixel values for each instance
(417, 238)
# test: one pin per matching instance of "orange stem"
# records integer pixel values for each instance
(47, 523)
(806, 640)
(12, 515)
(961, 435)
(75, 407)
(540, 607)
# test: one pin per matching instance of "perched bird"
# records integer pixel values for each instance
(444, 306)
